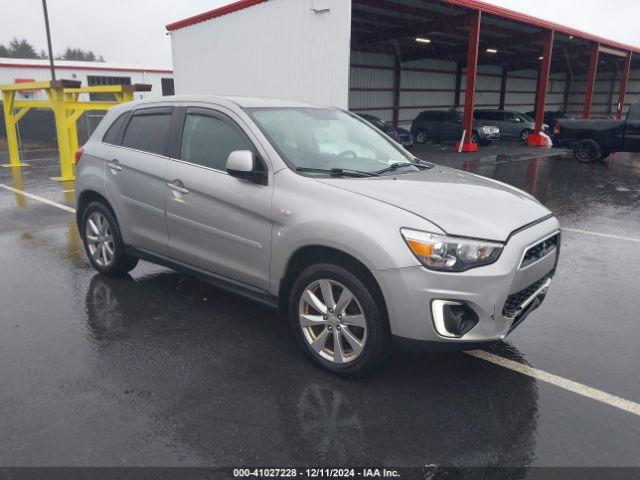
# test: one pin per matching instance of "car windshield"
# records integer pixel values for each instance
(326, 139)
(527, 118)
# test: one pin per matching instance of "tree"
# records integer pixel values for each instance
(23, 49)
(79, 55)
(18, 49)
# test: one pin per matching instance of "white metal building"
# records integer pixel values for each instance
(395, 58)
(89, 73)
(38, 124)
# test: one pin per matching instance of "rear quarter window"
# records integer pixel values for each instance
(114, 132)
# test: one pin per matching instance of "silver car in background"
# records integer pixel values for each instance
(511, 124)
(314, 211)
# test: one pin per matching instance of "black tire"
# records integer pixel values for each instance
(120, 263)
(378, 344)
(587, 151)
(421, 136)
(524, 135)
(475, 138)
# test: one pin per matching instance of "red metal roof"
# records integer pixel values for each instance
(470, 4)
(218, 12)
(538, 22)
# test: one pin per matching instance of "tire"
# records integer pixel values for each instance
(422, 137)
(475, 138)
(362, 345)
(524, 135)
(587, 151)
(100, 234)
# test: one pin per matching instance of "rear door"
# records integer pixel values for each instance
(632, 129)
(217, 222)
(135, 179)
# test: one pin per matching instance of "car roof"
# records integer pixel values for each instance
(242, 102)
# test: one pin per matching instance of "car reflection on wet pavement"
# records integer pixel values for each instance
(159, 369)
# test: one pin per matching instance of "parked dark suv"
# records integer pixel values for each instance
(438, 125)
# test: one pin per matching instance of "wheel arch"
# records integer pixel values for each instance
(312, 254)
(85, 198)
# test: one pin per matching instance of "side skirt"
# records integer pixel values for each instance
(219, 281)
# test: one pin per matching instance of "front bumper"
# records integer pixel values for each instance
(489, 290)
(490, 136)
(406, 141)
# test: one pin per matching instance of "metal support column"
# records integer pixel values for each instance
(623, 85)
(456, 101)
(467, 144)
(503, 86)
(536, 139)
(591, 80)
(397, 79)
(56, 97)
(10, 121)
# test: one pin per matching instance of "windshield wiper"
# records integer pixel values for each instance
(338, 172)
(394, 166)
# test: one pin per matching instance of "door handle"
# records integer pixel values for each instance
(177, 186)
(114, 165)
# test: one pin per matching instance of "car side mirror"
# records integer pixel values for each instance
(242, 164)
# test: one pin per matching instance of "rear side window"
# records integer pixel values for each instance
(148, 132)
(114, 133)
(208, 141)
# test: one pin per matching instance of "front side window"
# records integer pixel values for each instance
(208, 141)
(327, 138)
(147, 132)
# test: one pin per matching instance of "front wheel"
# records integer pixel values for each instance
(102, 241)
(475, 138)
(587, 151)
(524, 135)
(337, 321)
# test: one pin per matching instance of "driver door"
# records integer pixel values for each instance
(217, 222)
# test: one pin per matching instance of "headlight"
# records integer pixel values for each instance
(451, 254)
(486, 130)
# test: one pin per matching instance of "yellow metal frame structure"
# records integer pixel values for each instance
(63, 100)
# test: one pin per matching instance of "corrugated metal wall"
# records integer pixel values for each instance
(282, 48)
(430, 85)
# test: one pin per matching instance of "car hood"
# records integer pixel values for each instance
(459, 203)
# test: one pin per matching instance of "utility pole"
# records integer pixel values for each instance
(46, 24)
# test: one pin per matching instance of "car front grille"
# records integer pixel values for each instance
(540, 250)
(514, 301)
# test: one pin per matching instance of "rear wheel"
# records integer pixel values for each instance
(336, 320)
(102, 241)
(587, 151)
(422, 136)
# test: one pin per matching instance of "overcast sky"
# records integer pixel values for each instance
(133, 31)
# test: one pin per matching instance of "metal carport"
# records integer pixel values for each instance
(395, 58)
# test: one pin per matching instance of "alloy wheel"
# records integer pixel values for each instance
(332, 321)
(99, 239)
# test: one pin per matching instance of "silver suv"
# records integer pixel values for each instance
(316, 212)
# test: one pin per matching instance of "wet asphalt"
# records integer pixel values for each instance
(159, 369)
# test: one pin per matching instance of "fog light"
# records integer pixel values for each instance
(453, 319)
